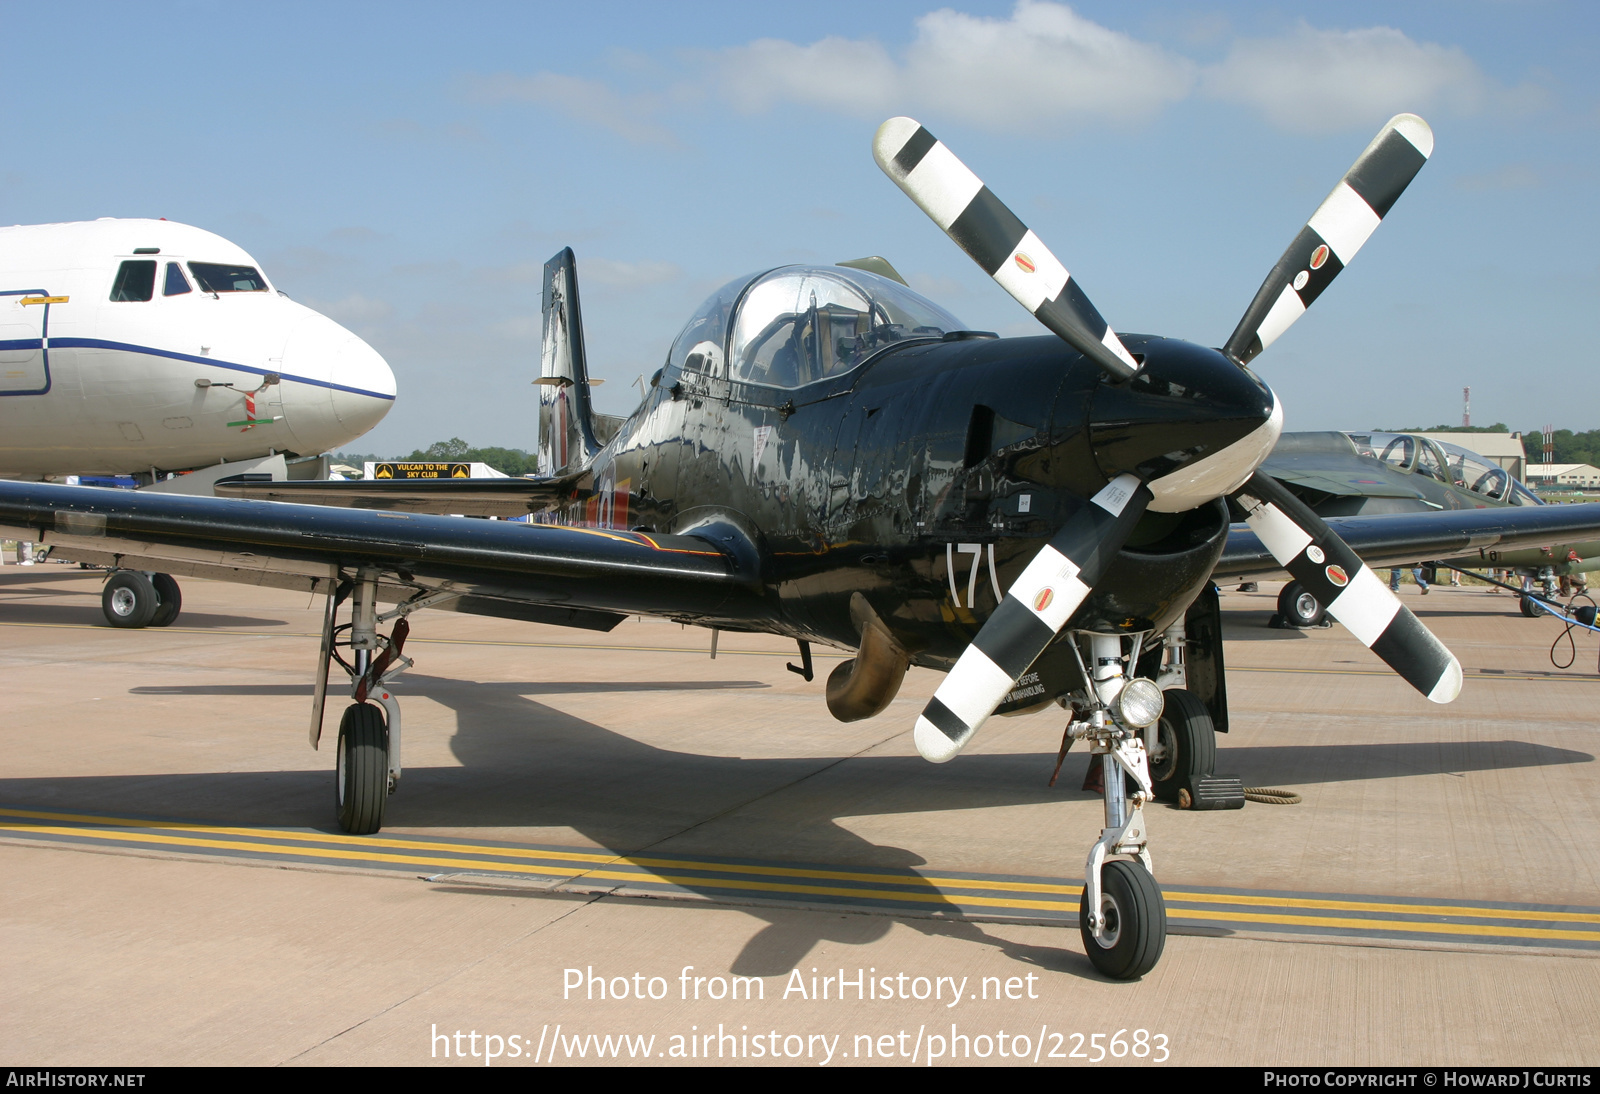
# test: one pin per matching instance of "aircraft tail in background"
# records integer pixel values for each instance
(567, 440)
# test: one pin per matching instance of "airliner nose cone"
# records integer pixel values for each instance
(363, 384)
(347, 387)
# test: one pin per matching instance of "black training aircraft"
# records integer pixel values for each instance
(828, 456)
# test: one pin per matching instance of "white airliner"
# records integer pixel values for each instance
(146, 346)
(142, 347)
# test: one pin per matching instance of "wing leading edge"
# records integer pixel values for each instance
(1403, 539)
(566, 570)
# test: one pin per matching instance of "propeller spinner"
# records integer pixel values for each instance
(1063, 575)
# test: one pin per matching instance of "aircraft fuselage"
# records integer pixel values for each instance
(926, 479)
(115, 358)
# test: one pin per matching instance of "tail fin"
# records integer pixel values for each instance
(566, 421)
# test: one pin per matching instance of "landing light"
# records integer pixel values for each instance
(1140, 703)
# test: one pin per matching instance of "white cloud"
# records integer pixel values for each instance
(1043, 68)
(632, 117)
(1045, 64)
(1324, 80)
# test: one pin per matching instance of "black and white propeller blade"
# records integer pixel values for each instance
(1334, 234)
(1035, 608)
(969, 213)
(1330, 571)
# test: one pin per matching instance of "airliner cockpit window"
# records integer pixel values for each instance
(135, 281)
(177, 284)
(215, 277)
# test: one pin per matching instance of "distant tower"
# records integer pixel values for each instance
(1466, 408)
(1549, 444)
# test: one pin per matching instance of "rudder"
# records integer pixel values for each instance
(567, 439)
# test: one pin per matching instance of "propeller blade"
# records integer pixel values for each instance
(969, 213)
(1334, 234)
(1034, 610)
(1330, 571)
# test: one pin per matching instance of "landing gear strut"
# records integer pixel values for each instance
(1122, 917)
(369, 731)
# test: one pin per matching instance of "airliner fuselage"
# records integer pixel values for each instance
(131, 346)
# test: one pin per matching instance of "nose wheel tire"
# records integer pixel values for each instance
(1531, 607)
(1185, 748)
(129, 599)
(170, 600)
(1135, 916)
(1298, 607)
(363, 768)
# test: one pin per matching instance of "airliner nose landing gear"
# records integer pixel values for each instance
(369, 731)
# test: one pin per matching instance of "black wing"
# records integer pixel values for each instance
(468, 497)
(1405, 539)
(547, 573)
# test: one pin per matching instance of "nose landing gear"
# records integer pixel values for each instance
(1121, 916)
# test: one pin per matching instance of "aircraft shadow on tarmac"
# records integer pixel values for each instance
(528, 765)
(81, 614)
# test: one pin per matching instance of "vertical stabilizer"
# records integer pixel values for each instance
(566, 424)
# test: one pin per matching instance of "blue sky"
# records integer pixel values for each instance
(407, 168)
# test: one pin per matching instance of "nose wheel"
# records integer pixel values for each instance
(1121, 915)
(1134, 922)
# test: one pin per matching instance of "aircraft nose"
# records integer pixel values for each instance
(353, 385)
(1192, 424)
(363, 385)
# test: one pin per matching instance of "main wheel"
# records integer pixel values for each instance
(129, 599)
(1135, 922)
(1298, 607)
(170, 600)
(363, 768)
(1185, 746)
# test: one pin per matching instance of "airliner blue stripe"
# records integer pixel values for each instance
(22, 343)
(209, 362)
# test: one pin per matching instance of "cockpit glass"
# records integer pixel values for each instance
(798, 324)
(1483, 476)
(698, 348)
(135, 281)
(1430, 460)
(1398, 451)
(216, 277)
(177, 284)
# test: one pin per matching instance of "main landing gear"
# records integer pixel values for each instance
(369, 730)
(133, 598)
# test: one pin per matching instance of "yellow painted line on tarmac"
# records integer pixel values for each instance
(575, 868)
(1331, 904)
(1415, 926)
(1476, 674)
(313, 852)
(599, 860)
